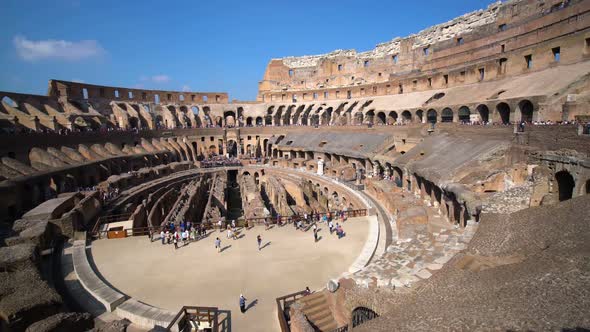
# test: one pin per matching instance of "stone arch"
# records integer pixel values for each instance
(326, 116)
(259, 121)
(431, 116)
(287, 116)
(565, 185)
(358, 118)
(420, 115)
(249, 121)
(407, 116)
(484, 112)
(446, 115)
(380, 119)
(298, 114)
(186, 119)
(527, 111)
(464, 114)
(208, 119)
(230, 118)
(587, 186)
(277, 116)
(370, 116)
(392, 117)
(503, 111)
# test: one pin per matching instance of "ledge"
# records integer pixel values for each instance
(102, 292)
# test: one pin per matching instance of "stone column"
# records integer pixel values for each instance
(320, 167)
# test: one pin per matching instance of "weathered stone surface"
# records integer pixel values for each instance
(18, 256)
(63, 322)
(114, 326)
(25, 298)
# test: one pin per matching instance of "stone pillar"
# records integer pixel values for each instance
(450, 211)
(320, 167)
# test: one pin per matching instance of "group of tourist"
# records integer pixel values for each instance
(109, 194)
(182, 234)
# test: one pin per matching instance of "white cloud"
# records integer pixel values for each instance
(186, 88)
(160, 78)
(31, 50)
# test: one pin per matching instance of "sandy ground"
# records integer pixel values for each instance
(197, 275)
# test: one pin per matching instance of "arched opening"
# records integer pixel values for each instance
(268, 120)
(249, 122)
(504, 111)
(420, 115)
(431, 116)
(361, 315)
(484, 113)
(277, 116)
(565, 185)
(230, 118)
(526, 111)
(259, 121)
(464, 114)
(406, 116)
(588, 187)
(392, 117)
(380, 118)
(446, 115)
(9, 102)
(358, 118)
(287, 116)
(370, 117)
(133, 122)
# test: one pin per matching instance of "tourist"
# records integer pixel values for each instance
(330, 226)
(162, 236)
(339, 231)
(219, 224)
(307, 291)
(233, 223)
(259, 240)
(192, 234)
(242, 303)
(229, 233)
(218, 244)
(315, 235)
(185, 237)
(175, 241)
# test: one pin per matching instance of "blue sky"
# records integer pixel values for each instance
(194, 45)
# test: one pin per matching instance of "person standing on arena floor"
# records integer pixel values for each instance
(242, 303)
(218, 244)
(331, 226)
(259, 240)
(162, 236)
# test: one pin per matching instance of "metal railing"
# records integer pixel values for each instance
(283, 304)
(188, 314)
(107, 220)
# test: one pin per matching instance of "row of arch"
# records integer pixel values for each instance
(501, 112)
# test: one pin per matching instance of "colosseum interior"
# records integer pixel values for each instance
(456, 162)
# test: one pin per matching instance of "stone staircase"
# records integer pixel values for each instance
(318, 312)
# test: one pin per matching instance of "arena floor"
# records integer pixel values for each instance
(197, 275)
